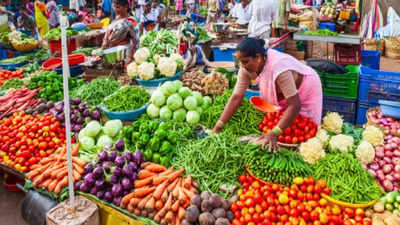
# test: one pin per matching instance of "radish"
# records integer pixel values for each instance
(388, 185)
(387, 168)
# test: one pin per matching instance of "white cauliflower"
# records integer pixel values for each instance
(146, 71)
(312, 150)
(333, 122)
(132, 70)
(373, 135)
(141, 55)
(341, 142)
(167, 66)
(365, 152)
(323, 136)
(176, 56)
(156, 58)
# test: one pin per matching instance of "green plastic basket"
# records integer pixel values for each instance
(341, 85)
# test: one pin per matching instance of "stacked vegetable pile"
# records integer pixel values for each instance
(301, 130)
(171, 101)
(127, 99)
(385, 211)
(388, 124)
(208, 208)
(95, 91)
(192, 80)
(279, 168)
(80, 113)
(301, 203)
(113, 176)
(161, 42)
(17, 100)
(12, 83)
(51, 85)
(215, 83)
(160, 194)
(6, 75)
(42, 106)
(323, 32)
(94, 138)
(31, 68)
(51, 172)
(25, 139)
(244, 122)
(22, 42)
(55, 33)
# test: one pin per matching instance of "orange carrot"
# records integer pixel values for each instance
(143, 202)
(78, 161)
(163, 211)
(134, 201)
(172, 186)
(160, 190)
(177, 221)
(127, 198)
(194, 190)
(52, 185)
(38, 179)
(48, 171)
(78, 168)
(152, 167)
(175, 174)
(175, 192)
(55, 172)
(144, 182)
(34, 167)
(137, 212)
(145, 174)
(61, 184)
(182, 197)
(130, 207)
(32, 174)
(181, 213)
(151, 215)
(150, 205)
(159, 204)
(188, 182)
(63, 173)
(143, 165)
(164, 222)
(169, 217)
(45, 183)
(75, 151)
(194, 184)
(175, 206)
(188, 193)
(76, 175)
(186, 204)
(162, 176)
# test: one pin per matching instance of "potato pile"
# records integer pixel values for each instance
(208, 209)
(380, 216)
(215, 84)
(192, 80)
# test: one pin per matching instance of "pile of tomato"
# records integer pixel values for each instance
(25, 139)
(6, 75)
(299, 204)
(301, 130)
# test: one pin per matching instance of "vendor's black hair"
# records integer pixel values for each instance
(250, 47)
(122, 2)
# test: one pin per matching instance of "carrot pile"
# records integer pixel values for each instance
(17, 100)
(51, 173)
(160, 194)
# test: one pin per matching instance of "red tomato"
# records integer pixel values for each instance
(314, 215)
(327, 191)
(305, 215)
(288, 139)
(295, 140)
(242, 178)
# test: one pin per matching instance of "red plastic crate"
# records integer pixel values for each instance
(347, 54)
(55, 46)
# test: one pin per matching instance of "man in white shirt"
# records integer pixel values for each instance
(241, 11)
(263, 13)
(148, 19)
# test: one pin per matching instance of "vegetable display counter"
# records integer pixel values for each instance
(340, 39)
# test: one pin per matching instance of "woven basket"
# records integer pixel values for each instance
(392, 46)
(375, 45)
(25, 47)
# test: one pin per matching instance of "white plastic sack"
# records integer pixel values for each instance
(3, 23)
(393, 25)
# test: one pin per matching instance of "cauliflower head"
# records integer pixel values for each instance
(365, 152)
(132, 70)
(146, 71)
(312, 150)
(323, 136)
(333, 122)
(341, 142)
(167, 66)
(141, 55)
(176, 56)
(373, 135)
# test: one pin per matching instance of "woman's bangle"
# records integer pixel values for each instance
(220, 124)
(277, 131)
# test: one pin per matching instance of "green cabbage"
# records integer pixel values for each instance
(198, 97)
(199, 110)
(112, 127)
(87, 143)
(153, 111)
(190, 103)
(178, 84)
(165, 113)
(185, 92)
(168, 88)
(158, 98)
(192, 117)
(174, 102)
(179, 115)
(103, 141)
(92, 128)
(206, 102)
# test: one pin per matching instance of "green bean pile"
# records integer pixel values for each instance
(280, 167)
(12, 83)
(95, 91)
(244, 122)
(212, 161)
(126, 99)
(347, 179)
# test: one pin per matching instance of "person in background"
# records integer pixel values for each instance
(142, 5)
(148, 19)
(42, 23)
(162, 12)
(213, 9)
(283, 81)
(53, 13)
(190, 7)
(263, 13)
(26, 22)
(241, 11)
(281, 23)
(106, 6)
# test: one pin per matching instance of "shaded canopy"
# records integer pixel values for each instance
(383, 4)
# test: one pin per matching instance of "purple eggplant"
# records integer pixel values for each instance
(125, 193)
(126, 184)
(102, 156)
(98, 172)
(53, 112)
(119, 145)
(77, 185)
(117, 200)
(61, 116)
(86, 104)
(117, 171)
(112, 156)
(100, 194)
(108, 196)
(76, 101)
(96, 115)
(89, 179)
(107, 166)
(99, 184)
(77, 113)
(133, 166)
(83, 187)
(81, 107)
(113, 179)
(116, 190)
(89, 168)
(77, 127)
(119, 161)
(86, 113)
(127, 171)
(128, 156)
(62, 124)
(79, 121)
(138, 157)
(134, 176)
(59, 106)
(93, 190)
(107, 147)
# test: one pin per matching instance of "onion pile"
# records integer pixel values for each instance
(386, 165)
(389, 124)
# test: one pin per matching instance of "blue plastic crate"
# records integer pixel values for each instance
(197, 18)
(327, 25)
(12, 67)
(182, 12)
(223, 55)
(378, 85)
(158, 82)
(73, 70)
(362, 109)
(3, 53)
(124, 116)
(344, 106)
(390, 109)
(250, 93)
(371, 59)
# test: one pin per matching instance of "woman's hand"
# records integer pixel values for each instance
(271, 139)
(217, 129)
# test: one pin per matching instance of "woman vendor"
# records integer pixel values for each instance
(122, 30)
(283, 81)
(149, 18)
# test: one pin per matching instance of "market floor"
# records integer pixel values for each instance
(10, 207)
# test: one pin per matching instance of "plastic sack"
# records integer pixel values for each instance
(3, 23)
(326, 66)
